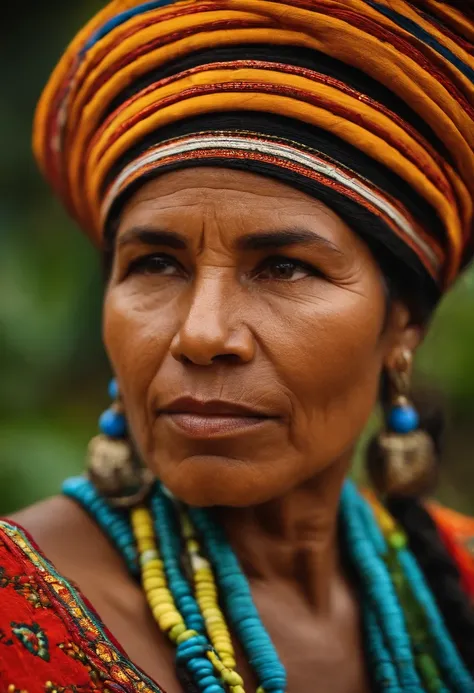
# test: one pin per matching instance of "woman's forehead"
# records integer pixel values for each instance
(216, 180)
(229, 195)
(237, 212)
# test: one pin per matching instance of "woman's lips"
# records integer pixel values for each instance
(212, 418)
(208, 426)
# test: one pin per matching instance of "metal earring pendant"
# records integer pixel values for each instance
(112, 465)
(403, 463)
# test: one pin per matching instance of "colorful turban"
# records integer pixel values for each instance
(368, 102)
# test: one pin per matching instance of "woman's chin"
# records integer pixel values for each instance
(212, 480)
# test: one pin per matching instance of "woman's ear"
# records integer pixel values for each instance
(401, 333)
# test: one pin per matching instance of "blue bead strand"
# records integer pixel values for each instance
(170, 548)
(412, 609)
(384, 672)
(113, 522)
(379, 590)
(192, 652)
(458, 678)
(239, 605)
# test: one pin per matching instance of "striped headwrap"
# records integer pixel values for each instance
(368, 102)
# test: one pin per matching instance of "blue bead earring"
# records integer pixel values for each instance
(112, 422)
(403, 417)
(113, 467)
(404, 461)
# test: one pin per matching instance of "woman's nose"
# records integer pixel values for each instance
(211, 329)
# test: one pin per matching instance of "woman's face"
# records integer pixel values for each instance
(244, 321)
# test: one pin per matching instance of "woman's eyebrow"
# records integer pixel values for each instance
(153, 236)
(285, 238)
(267, 240)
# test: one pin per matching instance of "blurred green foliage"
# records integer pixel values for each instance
(53, 370)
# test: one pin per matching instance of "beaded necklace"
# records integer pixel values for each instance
(408, 645)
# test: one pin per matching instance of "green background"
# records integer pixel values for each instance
(53, 370)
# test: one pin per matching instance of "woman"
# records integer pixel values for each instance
(282, 192)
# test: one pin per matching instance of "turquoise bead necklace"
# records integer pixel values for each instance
(391, 646)
(407, 643)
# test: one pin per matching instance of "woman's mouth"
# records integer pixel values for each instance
(213, 418)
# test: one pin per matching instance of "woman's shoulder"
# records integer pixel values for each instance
(50, 636)
(67, 540)
(63, 532)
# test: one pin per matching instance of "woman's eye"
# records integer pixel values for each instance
(283, 269)
(155, 264)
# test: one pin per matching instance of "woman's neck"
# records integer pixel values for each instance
(294, 538)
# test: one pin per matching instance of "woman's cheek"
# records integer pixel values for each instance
(136, 343)
(330, 342)
(138, 323)
(333, 373)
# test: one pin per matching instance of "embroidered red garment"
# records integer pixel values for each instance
(51, 640)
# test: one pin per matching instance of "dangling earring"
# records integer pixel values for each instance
(113, 467)
(402, 459)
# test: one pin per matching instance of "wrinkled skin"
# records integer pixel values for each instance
(300, 333)
(302, 343)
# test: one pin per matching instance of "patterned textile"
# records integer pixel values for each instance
(51, 640)
(384, 89)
